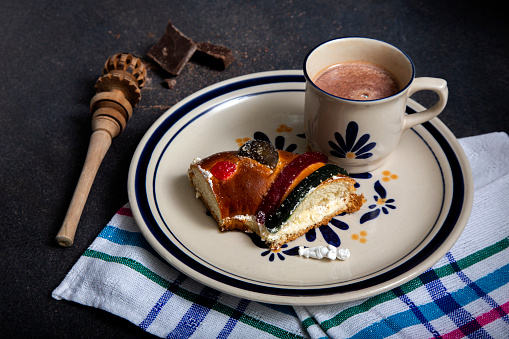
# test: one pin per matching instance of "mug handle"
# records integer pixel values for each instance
(436, 85)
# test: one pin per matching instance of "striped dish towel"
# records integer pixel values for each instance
(465, 294)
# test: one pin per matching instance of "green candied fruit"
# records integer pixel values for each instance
(288, 206)
(262, 151)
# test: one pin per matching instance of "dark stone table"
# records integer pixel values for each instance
(52, 52)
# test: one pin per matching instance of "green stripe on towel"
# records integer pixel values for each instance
(226, 310)
(410, 285)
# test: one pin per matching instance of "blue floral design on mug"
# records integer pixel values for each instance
(349, 147)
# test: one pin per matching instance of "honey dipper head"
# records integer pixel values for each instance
(124, 73)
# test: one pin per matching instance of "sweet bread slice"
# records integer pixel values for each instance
(276, 194)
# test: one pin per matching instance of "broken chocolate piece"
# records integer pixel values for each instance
(214, 56)
(171, 83)
(173, 50)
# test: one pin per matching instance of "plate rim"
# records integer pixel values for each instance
(298, 297)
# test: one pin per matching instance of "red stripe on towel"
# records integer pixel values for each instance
(483, 320)
(125, 211)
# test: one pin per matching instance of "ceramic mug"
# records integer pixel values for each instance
(359, 135)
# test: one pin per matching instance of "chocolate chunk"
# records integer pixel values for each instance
(214, 56)
(171, 83)
(173, 50)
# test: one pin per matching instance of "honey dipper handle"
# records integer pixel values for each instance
(117, 92)
(100, 142)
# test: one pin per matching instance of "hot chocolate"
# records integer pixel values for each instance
(357, 80)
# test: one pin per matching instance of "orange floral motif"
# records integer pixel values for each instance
(284, 128)
(388, 176)
(361, 237)
(242, 141)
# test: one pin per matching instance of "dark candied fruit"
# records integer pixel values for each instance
(223, 169)
(262, 151)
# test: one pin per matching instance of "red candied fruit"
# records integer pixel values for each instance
(223, 169)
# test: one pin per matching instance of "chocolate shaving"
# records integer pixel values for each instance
(214, 56)
(173, 50)
(171, 83)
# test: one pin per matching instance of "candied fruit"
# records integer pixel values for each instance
(285, 179)
(223, 169)
(262, 151)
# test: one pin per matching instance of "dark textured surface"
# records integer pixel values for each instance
(53, 52)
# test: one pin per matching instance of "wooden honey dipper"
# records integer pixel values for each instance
(118, 90)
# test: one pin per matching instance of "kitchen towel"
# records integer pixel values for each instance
(465, 294)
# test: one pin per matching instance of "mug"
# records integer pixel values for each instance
(359, 135)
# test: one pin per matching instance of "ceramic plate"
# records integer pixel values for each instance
(416, 205)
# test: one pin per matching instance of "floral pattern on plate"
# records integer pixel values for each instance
(335, 229)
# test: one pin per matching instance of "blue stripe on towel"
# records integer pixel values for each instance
(123, 237)
(416, 311)
(196, 314)
(431, 311)
(452, 308)
(154, 312)
(485, 296)
(234, 319)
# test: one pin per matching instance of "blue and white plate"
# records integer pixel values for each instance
(416, 205)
